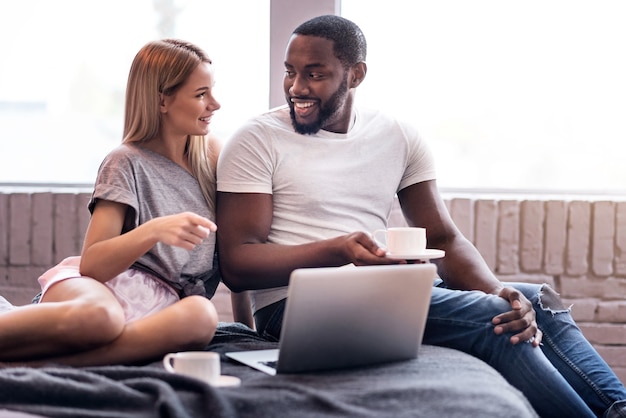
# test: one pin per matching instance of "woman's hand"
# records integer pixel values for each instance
(185, 230)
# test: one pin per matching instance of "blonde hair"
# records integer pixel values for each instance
(161, 67)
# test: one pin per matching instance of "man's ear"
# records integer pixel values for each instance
(358, 74)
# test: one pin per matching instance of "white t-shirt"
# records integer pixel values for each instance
(323, 185)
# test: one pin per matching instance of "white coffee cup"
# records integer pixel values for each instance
(203, 365)
(402, 241)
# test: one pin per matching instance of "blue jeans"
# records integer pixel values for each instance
(564, 376)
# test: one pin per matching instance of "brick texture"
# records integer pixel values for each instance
(578, 230)
(620, 238)
(485, 232)
(507, 244)
(578, 246)
(555, 238)
(603, 238)
(531, 232)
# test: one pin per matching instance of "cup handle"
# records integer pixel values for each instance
(380, 232)
(167, 362)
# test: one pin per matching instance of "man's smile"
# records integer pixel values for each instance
(304, 108)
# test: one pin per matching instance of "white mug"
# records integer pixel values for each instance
(402, 241)
(203, 365)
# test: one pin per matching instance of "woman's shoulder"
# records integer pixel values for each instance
(123, 151)
(123, 158)
(133, 155)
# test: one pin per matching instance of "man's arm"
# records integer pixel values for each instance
(463, 267)
(248, 261)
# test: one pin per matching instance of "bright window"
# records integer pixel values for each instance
(525, 95)
(510, 95)
(64, 64)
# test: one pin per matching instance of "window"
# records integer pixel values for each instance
(510, 95)
(64, 66)
(524, 95)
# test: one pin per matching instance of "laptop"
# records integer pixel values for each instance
(344, 317)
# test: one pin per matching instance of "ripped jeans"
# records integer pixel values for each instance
(564, 377)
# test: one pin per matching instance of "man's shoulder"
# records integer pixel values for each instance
(278, 114)
(379, 115)
(273, 119)
(382, 118)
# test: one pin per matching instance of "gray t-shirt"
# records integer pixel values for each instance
(152, 186)
(323, 185)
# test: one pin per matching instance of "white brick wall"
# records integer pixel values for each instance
(576, 245)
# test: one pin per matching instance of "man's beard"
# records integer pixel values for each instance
(326, 112)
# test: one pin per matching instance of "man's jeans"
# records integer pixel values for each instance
(565, 376)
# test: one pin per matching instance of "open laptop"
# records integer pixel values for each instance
(348, 316)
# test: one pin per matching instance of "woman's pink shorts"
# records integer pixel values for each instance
(139, 293)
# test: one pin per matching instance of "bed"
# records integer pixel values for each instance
(440, 383)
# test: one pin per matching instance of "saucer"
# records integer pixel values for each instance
(228, 381)
(427, 254)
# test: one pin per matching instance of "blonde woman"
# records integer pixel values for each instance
(142, 284)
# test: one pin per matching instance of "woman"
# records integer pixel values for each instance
(140, 288)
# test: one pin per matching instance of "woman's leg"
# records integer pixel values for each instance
(462, 320)
(570, 352)
(75, 314)
(188, 324)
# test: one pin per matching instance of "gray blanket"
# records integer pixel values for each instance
(439, 383)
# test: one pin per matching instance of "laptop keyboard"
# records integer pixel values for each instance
(271, 363)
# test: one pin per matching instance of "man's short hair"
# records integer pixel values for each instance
(349, 42)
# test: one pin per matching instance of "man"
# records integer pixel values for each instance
(305, 185)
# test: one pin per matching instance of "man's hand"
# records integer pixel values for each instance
(520, 318)
(360, 249)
